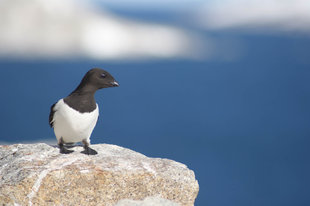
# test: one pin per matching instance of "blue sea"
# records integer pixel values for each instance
(242, 126)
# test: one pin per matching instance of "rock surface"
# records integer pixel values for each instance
(149, 201)
(37, 174)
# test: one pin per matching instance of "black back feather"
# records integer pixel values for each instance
(51, 117)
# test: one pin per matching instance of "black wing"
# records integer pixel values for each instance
(51, 117)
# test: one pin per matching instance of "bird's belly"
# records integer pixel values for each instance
(73, 126)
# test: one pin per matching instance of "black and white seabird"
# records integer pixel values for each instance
(75, 116)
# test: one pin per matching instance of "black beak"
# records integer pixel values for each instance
(114, 84)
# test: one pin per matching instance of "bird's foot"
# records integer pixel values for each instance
(89, 151)
(64, 150)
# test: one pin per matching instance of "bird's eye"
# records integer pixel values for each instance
(103, 75)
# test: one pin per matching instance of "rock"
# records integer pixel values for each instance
(37, 174)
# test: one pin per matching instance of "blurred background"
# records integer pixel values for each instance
(221, 86)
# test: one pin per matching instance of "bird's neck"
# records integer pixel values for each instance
(82, 89)
(82, 99)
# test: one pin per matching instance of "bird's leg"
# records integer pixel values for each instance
(62, 148)
(87, 149)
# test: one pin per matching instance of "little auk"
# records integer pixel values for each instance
(75, 116)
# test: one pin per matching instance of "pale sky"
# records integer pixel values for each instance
(68, 28)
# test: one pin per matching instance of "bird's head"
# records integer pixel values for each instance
(99, 78)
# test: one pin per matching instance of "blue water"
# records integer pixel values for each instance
(242, 126)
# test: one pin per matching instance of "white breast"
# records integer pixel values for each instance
(72, 125)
